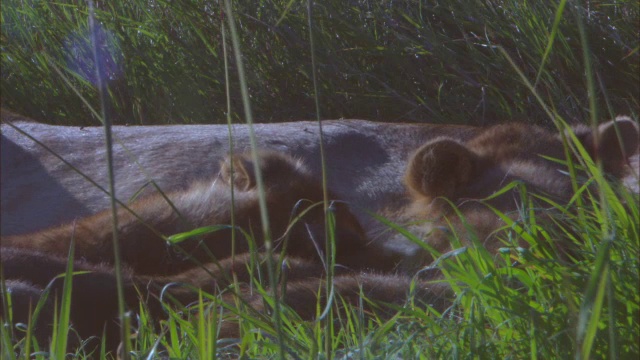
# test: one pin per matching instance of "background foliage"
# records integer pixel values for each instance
(408, 60)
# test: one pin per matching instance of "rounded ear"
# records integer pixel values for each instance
(616, 141)
(238, 170)
(440, 168)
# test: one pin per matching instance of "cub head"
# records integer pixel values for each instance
(446, 172)
(294, 199)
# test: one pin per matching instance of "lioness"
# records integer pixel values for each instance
(364, 163)
(452, 182)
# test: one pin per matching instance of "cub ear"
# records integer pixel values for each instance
(440, 168)
(618, 144)
(617, 141)
(238, 170)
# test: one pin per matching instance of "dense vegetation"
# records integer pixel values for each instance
(409, 60)
(381, 60)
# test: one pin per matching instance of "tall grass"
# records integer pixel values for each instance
(381, 60)
(391, 61)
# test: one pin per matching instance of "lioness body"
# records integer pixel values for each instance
(461, 169)
(365, 163)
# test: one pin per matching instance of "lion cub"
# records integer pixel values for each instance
(447, 174)
(290, 191)
(453, 184)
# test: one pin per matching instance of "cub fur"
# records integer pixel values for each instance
(447, 174)
(453, 185)
(94, 303)
(290, 191)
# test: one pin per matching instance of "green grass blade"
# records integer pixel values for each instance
(591, 308)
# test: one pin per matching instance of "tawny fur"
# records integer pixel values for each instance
(290, 191)
(447, 172)
(443, 172)
(94, 303)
